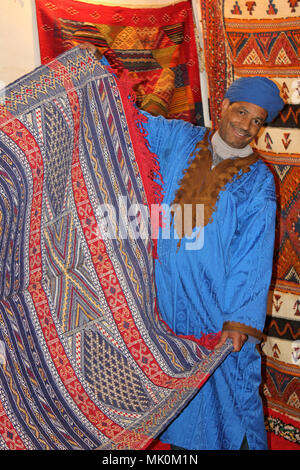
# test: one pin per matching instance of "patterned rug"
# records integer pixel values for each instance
(262, 38)
(156, 45)
(85, 361)
(281, 371)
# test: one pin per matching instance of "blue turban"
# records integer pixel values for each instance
(257, 90)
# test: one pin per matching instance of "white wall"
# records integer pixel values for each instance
(19, 49)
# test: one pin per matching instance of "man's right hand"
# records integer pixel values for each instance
(93, 49)
(238, 339)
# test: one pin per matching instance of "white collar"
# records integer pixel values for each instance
(223, 150)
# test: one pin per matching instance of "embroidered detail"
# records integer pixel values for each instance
(202, 184)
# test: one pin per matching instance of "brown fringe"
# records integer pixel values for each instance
(202, 185)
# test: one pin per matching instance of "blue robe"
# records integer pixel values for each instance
(226, 280)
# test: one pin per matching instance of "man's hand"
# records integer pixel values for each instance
(93, 49)
(238, 339)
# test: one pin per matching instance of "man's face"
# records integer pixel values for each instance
(240, 122)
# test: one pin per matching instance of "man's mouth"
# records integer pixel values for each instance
(240, 132)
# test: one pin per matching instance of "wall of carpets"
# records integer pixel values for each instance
(156, 45)
(263, 38)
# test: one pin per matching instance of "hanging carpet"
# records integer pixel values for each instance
(262, 38)
(156, 45)
(85, 361)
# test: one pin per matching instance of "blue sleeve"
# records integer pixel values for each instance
(171, 139)
(104, 61)
(251, 256)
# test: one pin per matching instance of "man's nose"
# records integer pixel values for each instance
(245, 123)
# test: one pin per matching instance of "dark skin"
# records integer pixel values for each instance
(238, 339)
(239, 125)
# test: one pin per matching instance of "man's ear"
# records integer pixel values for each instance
(225, 105)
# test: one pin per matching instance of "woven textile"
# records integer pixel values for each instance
(85, 361)
(281, 371)
(156, 45)
(262, 38)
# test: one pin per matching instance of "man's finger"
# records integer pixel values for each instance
(223, 337)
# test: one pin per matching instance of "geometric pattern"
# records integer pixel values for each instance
(264, 9)
(67, 275)
(281, 372)
(156, 46)
(283, 432)
(270, 48)
(286, 269)
(86, 362)
(283, 386)
(262, 38)
(128, 393)
(58, 141)
(282, 329)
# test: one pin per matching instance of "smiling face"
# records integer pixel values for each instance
(240, 122)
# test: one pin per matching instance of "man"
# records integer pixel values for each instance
(224, 284)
